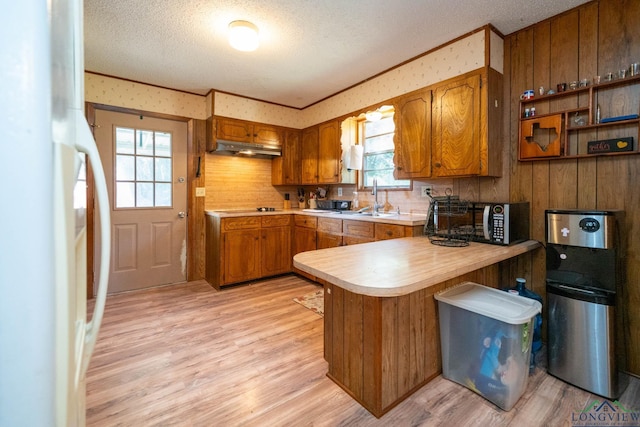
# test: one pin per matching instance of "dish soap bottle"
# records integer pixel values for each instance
(355, 205)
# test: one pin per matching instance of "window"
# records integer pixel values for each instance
(376, 138)
(143, 168)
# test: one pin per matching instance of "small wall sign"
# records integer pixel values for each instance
(610, 145)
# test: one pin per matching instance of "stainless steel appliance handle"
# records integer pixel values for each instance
(485, 222)
(572, 289)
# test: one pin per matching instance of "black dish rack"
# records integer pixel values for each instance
(442, 228)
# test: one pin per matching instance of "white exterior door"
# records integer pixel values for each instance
(145, 163)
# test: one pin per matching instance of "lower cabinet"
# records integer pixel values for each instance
(240, 249)
(241, 256)
(304, 238)
(247, 248)
(329, 233)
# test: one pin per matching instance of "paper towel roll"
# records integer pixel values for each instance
(354, 157)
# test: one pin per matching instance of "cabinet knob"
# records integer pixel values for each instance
(437, 165)
(388, 233)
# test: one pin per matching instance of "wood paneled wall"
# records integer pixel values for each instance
(593, 39)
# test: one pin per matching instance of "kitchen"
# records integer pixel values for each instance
(584, 41)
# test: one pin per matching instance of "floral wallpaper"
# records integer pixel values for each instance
(122, 93)
(457, 58)
(451, 60)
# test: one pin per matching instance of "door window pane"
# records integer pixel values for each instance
(125, 170)
(144, 141)
(144, 194)
(163, 144)
(163, 194)
(124, 141)
(126, 197)
(143, 168)
(163, 170)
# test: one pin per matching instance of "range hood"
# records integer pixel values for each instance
(246, 149)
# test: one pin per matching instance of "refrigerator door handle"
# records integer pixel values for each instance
(87, 334)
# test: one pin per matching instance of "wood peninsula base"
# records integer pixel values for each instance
(382, 341)
(381, 350)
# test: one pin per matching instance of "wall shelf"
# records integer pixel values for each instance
(565, 133)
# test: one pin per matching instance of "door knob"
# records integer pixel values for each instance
(181, 214)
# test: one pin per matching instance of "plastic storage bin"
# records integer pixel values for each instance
(486, 337)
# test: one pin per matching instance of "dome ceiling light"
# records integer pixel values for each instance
(243, 35)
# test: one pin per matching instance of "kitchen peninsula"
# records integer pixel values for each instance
(381, 332)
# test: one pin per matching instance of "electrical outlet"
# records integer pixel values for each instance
(339, 191)
(425, 190)
(200, 191)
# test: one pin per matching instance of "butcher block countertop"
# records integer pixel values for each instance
(398, 267)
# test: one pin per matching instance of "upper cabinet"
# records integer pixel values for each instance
(467, 126)
(227, 129)
(329, 153)
(285, 169)
(321, 155)
(309, 156)
(244, 131)
(412, 137)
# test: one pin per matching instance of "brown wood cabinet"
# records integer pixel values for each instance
(329, 233)
(395, 231)
(276, 245)
(466, 118)
(229, 129)
(247, 248)
(356, 232)
(412, 137)
(304, 237)
(329, 153)
(309, 156)
(285, 170)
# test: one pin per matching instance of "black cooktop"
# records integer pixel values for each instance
(265, 209)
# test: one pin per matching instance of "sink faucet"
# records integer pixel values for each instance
(376, 205)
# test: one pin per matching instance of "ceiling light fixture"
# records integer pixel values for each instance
(243, 35)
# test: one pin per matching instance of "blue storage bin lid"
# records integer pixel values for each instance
(490, 302)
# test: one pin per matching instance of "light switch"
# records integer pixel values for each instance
(200, 191)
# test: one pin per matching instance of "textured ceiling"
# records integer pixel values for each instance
(310, 49)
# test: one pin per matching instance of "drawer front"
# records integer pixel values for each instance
(355, 240)
(389, 231)
(330, 225)
(358, 228)
(240, 223)
(276, 220)
(306, 221)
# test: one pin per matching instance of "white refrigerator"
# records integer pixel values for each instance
(46, 337)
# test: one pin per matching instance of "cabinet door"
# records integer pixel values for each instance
(234, 130)
(329, 153)
(457, 137)
(276, 250)
(412, 137)
(389, 231)
(241, 255)
(309, 156)
(266, 134)
(304, 239)
(291, 157)
(328, 240)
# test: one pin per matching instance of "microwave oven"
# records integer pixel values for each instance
(483, 222)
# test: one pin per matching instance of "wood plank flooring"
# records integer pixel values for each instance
(188, 355)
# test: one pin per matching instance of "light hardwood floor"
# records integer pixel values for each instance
(188, 355)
